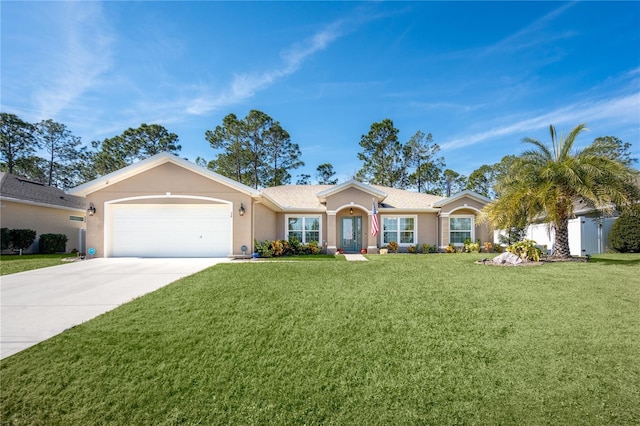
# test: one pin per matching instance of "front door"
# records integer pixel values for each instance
(351, 234)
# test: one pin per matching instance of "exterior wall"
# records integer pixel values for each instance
(444, 236)
(341, 203)
(44, 220)
(170, 183)
(466, 203)
(265, 223)
(348, 196)
(463, 206)
(428, 229)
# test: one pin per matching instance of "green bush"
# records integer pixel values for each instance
(427, 248)
(312, 248)
(4, 238)
(526, 250)
(53, 243)
(280, 248)
(21, 239)
(625, 232)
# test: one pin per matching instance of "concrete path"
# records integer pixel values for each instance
(355, 257)
(37, 305)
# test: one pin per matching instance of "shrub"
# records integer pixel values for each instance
(526, 250)
(488, 246)
(450, 249)
(263, 248)
(312, 248)
(53, 243)
(277, 248)
(470, 247)
(625, 232)
(295, 246)
(411, 249)
(4, 238)
(21, 239)
(393, 246)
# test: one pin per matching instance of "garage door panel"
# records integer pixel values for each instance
(175, 230)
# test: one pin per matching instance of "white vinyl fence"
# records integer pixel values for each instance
(586, 235)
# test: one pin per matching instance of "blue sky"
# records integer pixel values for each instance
(479, 76)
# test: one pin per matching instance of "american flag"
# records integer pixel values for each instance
(375, 227)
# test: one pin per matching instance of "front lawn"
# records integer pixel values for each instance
(401, 339)
(11, 264)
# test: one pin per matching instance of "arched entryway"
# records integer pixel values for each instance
(351, 229)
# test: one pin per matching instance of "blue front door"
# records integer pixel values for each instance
(351, 234)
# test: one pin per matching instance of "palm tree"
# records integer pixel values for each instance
(544, 182)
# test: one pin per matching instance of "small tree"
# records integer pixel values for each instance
(625, 232)
(53, 243)
(21, 239)
(4, 238)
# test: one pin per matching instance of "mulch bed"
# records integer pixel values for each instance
(548, 259)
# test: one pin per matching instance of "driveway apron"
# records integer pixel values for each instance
(39, 304)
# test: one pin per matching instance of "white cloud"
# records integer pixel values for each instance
(82, 55)
(624, 109)
(245, 85)
(532, 34)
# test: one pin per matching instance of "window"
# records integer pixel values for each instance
(304, 228)
(460, 228)
(76, 218)
(401, 229)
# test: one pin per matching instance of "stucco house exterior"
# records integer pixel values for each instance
(26, 204)
(165, 206)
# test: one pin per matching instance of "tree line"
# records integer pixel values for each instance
(255, 150)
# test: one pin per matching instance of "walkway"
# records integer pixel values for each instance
(355, 257)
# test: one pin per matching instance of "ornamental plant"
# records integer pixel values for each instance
(393, 246)
(625, 232)
(526, 250)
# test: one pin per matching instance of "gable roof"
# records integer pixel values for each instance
(407, 200)
(155, 161)
(311, 198)
(19, 189)
(333, 189)
(296, 197)
(463, 194)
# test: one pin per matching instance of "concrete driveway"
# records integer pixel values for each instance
(37, 305)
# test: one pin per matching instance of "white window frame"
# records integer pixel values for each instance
(398, 230)
(303, 217)
(473, 227)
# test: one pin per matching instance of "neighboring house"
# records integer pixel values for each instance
(25, 204)
(165, 206)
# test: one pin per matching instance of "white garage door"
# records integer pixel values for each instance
(170, 230)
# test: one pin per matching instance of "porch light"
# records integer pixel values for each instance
(242, 210)
(351, 211)
(91, 210)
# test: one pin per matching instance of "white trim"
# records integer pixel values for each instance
(398, 216)
(352, 206)
(465, 207)
(473, 226)
(303, 216)
(352, 183)
(465, 193)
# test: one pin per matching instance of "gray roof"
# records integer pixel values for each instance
(26, 190)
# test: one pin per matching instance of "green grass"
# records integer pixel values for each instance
(401, 339)
(11, 264)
